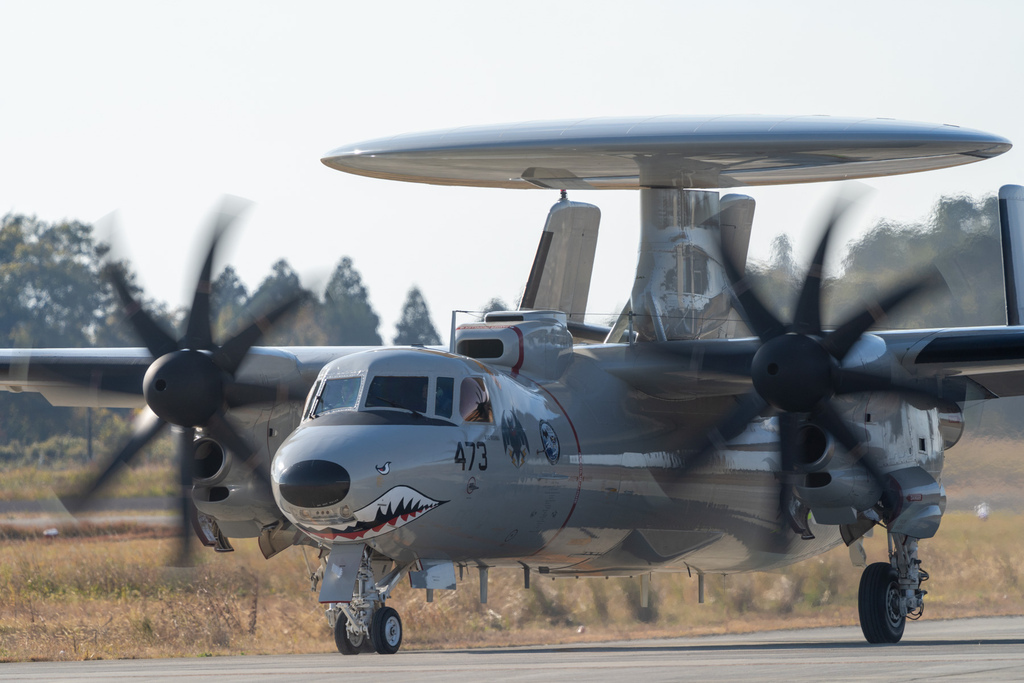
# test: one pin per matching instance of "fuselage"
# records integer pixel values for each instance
(439, 456)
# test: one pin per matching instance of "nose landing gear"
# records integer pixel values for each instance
(890, 592)
(365, 623)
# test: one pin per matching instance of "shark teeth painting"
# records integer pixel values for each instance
(393, 510)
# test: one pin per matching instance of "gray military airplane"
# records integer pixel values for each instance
(698, 433)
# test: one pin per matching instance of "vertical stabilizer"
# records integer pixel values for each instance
(1011, 229)
(560, 277)
(736, 219)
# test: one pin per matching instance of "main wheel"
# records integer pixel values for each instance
(386, 631)
(347, 643)
(879, 599)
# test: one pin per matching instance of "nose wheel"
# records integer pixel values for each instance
(386, 631)
(348, 641)
(364, 623)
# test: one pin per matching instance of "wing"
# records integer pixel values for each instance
(97, 378)
(989, 358)
(112, 377)
(957, 363)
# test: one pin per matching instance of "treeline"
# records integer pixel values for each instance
(960, 237)
(53, 294)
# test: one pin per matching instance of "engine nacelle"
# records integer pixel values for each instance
(918, 503)
(229, 492)
(210, 463)
(535, 343)
(835, 496)
(816, 448)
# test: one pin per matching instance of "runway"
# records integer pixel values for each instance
(967, 649)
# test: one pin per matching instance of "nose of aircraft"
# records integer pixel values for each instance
(313, 483)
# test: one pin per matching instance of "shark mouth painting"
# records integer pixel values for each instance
(393, 510)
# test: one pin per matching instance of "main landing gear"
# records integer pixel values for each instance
(890, 592)
(366, 624)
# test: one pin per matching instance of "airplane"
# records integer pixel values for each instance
(699, 433)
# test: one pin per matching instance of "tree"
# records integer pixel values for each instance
(228, 298)
(777, 278)
(960, 238)
(275, 289)
(51, 294)
(415, 326)
(346, 316)
(495, 304)
(49, 276)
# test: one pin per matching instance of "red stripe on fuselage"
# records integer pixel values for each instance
(579, 476)
(522, 353)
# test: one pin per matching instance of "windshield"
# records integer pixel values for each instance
(342, 392)
(408, 393)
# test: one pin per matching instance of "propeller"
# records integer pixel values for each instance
(190, 385)
(797, 370)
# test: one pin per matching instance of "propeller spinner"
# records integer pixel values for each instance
(190, 384)
(798, 368)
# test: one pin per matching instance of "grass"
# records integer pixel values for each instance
(33, 483)
(103, 592)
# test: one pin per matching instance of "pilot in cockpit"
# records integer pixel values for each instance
(474, 403)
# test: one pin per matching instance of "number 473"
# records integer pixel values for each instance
(473, 449)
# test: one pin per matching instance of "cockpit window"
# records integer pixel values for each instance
(444, 396)
(474, 403)
(408, 393)
(341, 392)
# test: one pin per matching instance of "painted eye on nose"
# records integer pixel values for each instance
(314, 483)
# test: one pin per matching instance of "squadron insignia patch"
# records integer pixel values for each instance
(514, 437)
(549, 440)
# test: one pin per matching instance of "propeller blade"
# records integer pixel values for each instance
(850, 381)
(756, 315)
(749, 406)
(184, 438)
(229, 356)
(839, 342)
(152, 335)
(147, 426)
(199, 334)
(239, 394)
(244, 394)
(807, 318)
(789, 443)
(831, 421)
(828, 419)
(221, 429)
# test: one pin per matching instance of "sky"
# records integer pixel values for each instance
(142, 115)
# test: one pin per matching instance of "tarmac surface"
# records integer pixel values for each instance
(990, 649)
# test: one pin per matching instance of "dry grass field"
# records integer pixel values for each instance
(102, 592)
(33, 483)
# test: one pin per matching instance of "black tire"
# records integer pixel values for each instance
(878, 602)
(386, 631)
(346, 644)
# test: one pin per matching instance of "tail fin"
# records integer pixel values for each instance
(1011, 229)
(560, 277)
(736, 219)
